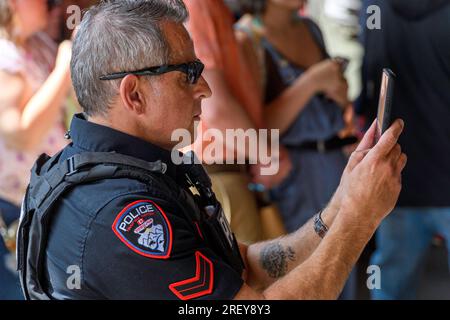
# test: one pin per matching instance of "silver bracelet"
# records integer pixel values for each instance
(319, 226)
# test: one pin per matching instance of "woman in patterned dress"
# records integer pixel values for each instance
(34, 82)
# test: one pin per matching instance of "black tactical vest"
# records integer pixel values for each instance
(51, 179)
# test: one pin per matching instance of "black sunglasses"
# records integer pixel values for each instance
(193, 71)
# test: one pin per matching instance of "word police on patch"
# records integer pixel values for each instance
(144, 228)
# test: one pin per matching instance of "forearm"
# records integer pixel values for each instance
(234, 118)
(222, 111)
(369, 189)
(43, 109)
(282, 112)
(324, 273)
(271, 260)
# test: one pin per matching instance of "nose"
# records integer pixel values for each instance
(202, 89)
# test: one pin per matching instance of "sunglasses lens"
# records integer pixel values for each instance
(195, 71)
(192, 79)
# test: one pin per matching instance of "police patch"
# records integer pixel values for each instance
(144, 228)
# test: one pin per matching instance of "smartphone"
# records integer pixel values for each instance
(384, 120)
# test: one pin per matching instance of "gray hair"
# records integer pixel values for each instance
(116, 36)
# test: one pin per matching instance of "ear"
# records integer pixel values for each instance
(132, 94)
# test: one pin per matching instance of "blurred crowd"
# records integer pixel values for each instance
(312, 70)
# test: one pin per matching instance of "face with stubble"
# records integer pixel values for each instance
(170, 101)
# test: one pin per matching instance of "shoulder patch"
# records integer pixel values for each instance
(144, 228)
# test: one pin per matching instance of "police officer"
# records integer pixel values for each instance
(113, 217)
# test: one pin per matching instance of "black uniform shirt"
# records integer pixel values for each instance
(123, 239)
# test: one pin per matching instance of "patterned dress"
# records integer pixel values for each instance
(315, 176)
(35, 66)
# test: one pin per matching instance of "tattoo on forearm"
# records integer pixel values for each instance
(274, 259)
